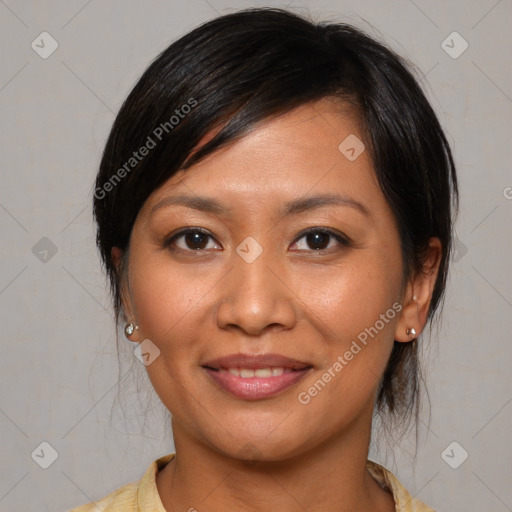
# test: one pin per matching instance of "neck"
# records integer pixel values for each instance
(331, 476)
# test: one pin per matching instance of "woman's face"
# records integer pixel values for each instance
(320, 309)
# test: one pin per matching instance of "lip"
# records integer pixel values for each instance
(255, 361)
(256, 388)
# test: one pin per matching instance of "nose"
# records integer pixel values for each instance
(256, 296)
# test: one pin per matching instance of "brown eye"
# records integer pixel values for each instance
(319, 239)
(192, 240)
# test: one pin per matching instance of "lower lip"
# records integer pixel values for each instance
(256, 388)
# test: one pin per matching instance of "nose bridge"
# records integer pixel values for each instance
(254, 296)
(251, 266)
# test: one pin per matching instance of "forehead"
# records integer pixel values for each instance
(316, 148)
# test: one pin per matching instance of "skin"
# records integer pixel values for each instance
(295, 300)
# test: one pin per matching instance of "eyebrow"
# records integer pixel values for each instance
(294, 207)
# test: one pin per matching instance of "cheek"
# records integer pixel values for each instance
(353, 297)
(165, 298)
(167, 303)
(359, 318)
(359, 307)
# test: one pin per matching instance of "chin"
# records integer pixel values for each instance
(268, 447)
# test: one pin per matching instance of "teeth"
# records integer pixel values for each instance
(263, 372)
(248, 373)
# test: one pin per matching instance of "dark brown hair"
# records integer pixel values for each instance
(243, 68)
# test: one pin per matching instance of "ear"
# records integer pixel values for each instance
(419, 294)
(126, 303)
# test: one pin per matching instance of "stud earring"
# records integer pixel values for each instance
(130, 328)
(410, 331)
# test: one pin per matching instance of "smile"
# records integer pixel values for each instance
(248, 373)
(256, 377)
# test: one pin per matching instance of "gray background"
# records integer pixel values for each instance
(59, 367)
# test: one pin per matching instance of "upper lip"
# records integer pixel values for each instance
(255, 362)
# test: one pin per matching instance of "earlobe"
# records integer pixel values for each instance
(409, 325)
(129, 330)
(418, 296)
(131, 327)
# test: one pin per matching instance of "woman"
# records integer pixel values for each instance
(275, 206)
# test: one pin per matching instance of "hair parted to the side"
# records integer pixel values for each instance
(243, 68)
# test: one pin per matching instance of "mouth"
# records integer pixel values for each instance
(256, 377)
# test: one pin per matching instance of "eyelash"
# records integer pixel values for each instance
(342, 239)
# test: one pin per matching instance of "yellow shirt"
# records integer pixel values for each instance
(142, 496)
